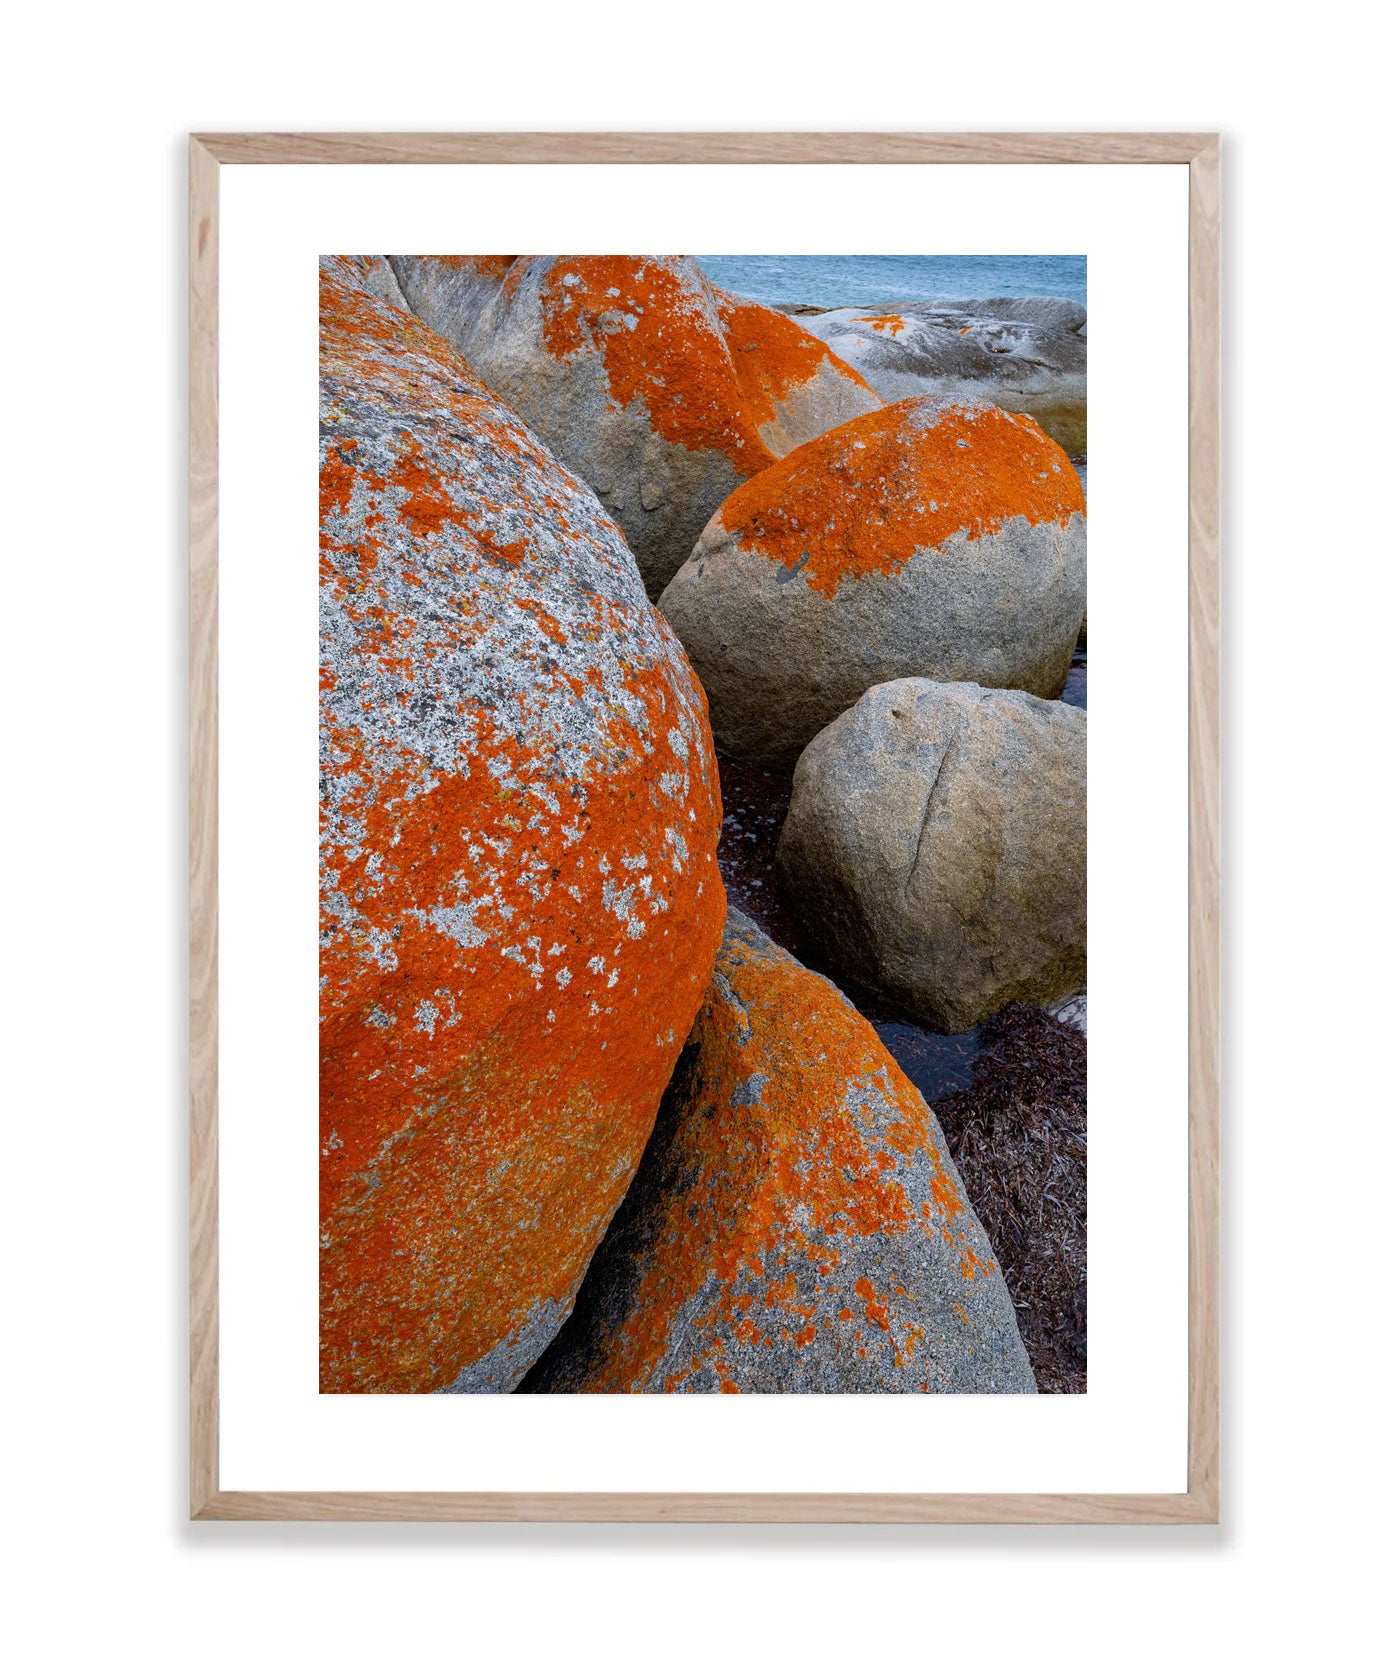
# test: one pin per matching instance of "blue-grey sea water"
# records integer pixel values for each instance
(832, 281)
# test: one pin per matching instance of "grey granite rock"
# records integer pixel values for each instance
(1028, 355)
(935, 848)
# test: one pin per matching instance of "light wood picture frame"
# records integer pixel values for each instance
(1200, 153)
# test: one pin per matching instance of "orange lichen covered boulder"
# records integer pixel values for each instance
(797, 1224)
(926, 539)
(659, 389)
(519, 899)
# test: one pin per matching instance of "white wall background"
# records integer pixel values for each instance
(106, 1573)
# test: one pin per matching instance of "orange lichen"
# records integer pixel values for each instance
(892, 324)
(876, 1306)
(495, 1034)
(709, 369)
(868, 495)
(772, 355)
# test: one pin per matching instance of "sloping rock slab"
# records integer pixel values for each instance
(1027, 355)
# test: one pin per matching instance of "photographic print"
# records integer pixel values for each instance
(703, 864)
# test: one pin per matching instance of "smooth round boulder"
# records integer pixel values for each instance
(660, 390)
(935, 849)
(797, 1225)
(520, 904)
(1028, 355)
(925, 539)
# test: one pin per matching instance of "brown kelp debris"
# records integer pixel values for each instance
(1019, 1139)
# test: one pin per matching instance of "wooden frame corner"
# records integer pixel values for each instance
(1201, 152)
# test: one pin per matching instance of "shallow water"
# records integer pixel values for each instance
(832, 281)
(1077, 683)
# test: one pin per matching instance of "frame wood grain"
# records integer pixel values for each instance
(1201, 154)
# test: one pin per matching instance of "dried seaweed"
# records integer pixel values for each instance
(1019, 1138)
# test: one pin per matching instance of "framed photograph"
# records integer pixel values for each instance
(648, 844)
